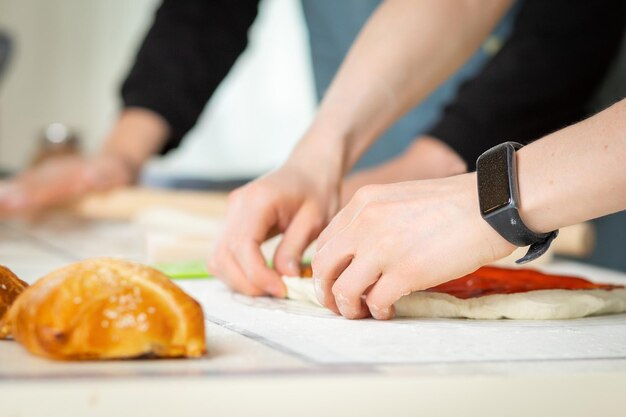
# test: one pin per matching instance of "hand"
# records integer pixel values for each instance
(289, 201)
(394, 239)
(427, 157)
(60, 180)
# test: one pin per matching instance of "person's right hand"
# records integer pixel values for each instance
(60, 180)
(290, 200)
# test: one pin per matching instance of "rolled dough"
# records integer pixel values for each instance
(532, 305)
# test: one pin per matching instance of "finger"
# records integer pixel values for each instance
(328, 264)
(350, 288)
(226, 270)
(242, 222)
(61, 189)
(338, 223)
(251, 261)
(346, 216)
(383, 295)
(305, 226)
(243, 233)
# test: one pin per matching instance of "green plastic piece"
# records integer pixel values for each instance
(189, 269)
(184, 269)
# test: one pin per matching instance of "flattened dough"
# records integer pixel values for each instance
(532, 305)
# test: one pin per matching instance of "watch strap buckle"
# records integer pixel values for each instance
(537, 249)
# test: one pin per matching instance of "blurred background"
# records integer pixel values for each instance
(68, 59)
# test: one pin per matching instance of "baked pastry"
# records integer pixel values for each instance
(10, 287)
(107, 309)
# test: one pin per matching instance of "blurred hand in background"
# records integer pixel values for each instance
(57, 180)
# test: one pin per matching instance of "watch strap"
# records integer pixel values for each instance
(520, 235)
(538, 248)
(507, 222)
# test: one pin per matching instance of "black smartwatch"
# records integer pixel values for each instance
(498, 196)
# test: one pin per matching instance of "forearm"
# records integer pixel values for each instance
(425, 158)
(137, 135)
(405, 50)
(575, 174)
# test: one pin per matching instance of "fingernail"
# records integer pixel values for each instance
(380, 313)
(343, 305)
(293, 268)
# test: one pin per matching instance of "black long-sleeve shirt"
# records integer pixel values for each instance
(540, 81)
(186, 54)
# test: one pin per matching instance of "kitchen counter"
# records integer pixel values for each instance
(268, 357)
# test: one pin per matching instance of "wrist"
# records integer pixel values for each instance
(111, 168)
(499, 200)
(137, 135)
(125, 163)
(496, 247)
(536, 208)
(337, 140)
(321, 153)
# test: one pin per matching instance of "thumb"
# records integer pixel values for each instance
(302, 230)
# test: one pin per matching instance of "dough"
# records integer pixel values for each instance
(531, 305)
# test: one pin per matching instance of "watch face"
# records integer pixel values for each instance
(493, 180)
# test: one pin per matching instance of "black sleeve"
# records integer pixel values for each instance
(542, 78)
(189, 49)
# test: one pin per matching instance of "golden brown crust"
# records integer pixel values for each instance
(10, 287)
(107, 309)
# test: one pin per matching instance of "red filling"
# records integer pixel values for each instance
(493, 280)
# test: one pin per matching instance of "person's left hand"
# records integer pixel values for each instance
(391, 240)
